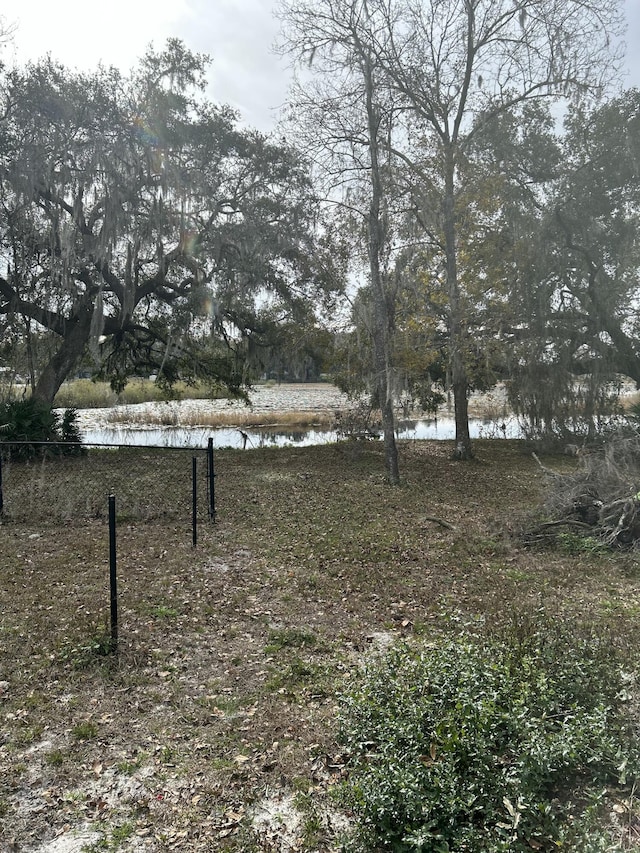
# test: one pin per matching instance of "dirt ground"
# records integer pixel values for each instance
(215, 726)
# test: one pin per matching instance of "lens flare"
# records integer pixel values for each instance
(188, 241)
(145, 133)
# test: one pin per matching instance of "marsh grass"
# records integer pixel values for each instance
(238, 417)
(87, 394)
(232, 655)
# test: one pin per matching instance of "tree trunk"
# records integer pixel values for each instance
(381, 365)
(381, 321)
(459, 377)
(66, 358)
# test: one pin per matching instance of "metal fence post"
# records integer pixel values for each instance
(211, 481)
(113, 581)
(1, 495)
(194, 499)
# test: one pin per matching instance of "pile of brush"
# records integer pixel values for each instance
(600, 498)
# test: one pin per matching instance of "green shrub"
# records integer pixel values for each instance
(25, 425)
(486, 745)
(68, 429)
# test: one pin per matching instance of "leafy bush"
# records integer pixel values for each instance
(486, 745)
(25, 425)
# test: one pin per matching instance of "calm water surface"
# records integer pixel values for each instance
(195, 437)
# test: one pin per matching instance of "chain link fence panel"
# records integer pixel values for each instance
(56, 486)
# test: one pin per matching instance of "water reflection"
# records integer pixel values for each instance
(444, 428)
(441, 428)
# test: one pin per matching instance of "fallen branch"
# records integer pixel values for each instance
(569, 522)
(553, 474)
(600, 498)
(439, 521)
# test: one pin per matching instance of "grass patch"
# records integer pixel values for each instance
(296, 638)
(55, 758)
(297, 675)
(573, 543)
(87, 394)
(85, 730)
(116, 836)
(164, 611)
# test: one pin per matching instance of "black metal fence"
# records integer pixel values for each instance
(61, 483)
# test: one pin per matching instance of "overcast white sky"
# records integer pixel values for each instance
(237, 34)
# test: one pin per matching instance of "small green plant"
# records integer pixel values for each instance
(163, 611)
(117, 836)
(312, 828)
(297, 638)
(575, 544)
(168, 755)
(128, 768)
(486, 745)
(54, 758)
(85, 730)
(83, 655)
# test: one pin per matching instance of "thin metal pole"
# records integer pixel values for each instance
(194, 489)
(112, 573)
(211, 476)
(1, 496)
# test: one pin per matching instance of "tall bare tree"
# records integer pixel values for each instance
(344, 113)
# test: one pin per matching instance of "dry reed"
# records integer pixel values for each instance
(237, 417)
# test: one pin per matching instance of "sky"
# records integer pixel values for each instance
(238, 35)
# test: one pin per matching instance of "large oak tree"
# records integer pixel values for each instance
(140, 224)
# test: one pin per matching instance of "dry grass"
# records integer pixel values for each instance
(237, 417)
(87, 394)
(218, 713)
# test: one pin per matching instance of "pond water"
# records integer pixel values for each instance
(440, 428)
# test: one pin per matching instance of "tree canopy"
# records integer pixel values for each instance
(138, 222)
(449, 70)
(143, 231)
